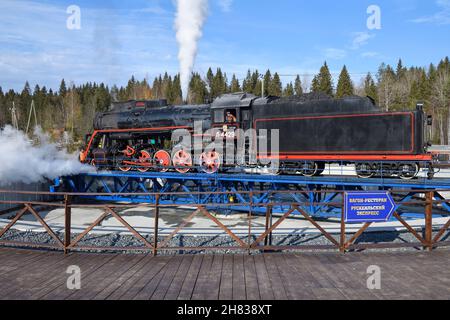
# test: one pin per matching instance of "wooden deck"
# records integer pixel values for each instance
(42, 275)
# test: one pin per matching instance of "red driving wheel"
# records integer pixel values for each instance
(162, 160)
(182, 161)
(124, 168)
(210, 162)
(145, 159)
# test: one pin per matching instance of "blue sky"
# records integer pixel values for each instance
(119, 38)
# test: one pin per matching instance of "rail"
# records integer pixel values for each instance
(249, 238)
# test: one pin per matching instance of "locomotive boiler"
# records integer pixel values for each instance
(314, 130)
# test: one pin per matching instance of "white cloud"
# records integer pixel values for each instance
(370, 54)
(225, 5)
(335, 54)
(361, 39)
(442, 17)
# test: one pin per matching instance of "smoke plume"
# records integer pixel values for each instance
(27, 161)
(190, 17)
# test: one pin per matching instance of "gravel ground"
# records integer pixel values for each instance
(117, 240)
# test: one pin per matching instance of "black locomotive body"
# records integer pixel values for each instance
(313, 130)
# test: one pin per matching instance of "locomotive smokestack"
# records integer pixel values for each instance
(190, 17)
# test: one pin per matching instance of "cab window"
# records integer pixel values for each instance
(219, 116)
(231, 116)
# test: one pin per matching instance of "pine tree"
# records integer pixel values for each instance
(24, 105)
(62, 88)
(226, 89)
(289, 90)
(345, 85)
(247, 83)
(298, 89)
(401, 71)
(131, 89)
(276, 87)
(235, 86)
(256, 83)
(210, 79)
(219, 85)
(177, 94)
(164, 86)
(370, 88)
(267, 82)
(323, 82)
(198, 92)
(315, 86)
(168, 93)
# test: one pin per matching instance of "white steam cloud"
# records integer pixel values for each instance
(190, 17)
(22, 160)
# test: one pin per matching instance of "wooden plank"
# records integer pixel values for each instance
(265, 289)
(189, 282)
(297, 288)
(60, 275)
(105, 276)
(28, 274)
(96, 279)
(167, 279)
(291, 280)
(304, 276)
(226, 283)
(147, 291)
(327, 294)
(239, 278)
(203, 277)
(276, 283)
(391, 286)
(62, 292)
(423, 285)
(353, 278)
(152, 270)
(392, 274)
(251, 280)
(322, 286)
(150, 267)
(177, 283)
(115, 285)
(212, 288)
(12, 260)
(44, 278)
(21, 257)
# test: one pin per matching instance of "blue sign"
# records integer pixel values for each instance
(361, 207)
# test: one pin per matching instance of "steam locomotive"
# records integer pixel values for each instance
(314, 130)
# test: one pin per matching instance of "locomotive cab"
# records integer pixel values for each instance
(231, 112)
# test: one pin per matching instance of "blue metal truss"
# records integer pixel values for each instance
(233, 190)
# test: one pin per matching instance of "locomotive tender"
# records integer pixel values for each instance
(314, 130)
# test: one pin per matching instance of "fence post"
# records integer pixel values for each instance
(342, 238)
(268, 219)
(429, 221)
(250, 214)
(155, 240)
(67, 222)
